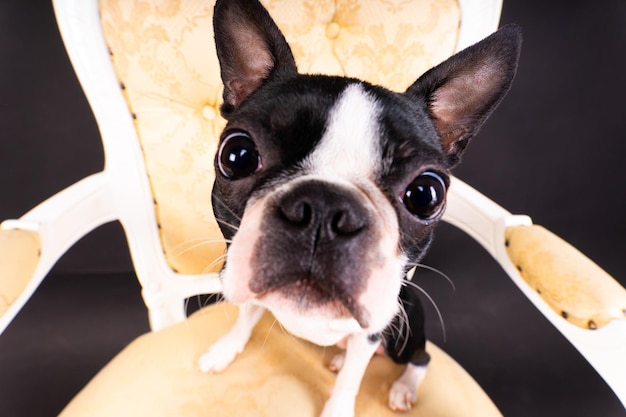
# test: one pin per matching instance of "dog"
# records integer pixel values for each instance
(328, 190)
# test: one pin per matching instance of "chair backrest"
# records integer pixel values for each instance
(157, 106)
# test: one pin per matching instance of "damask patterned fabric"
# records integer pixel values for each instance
(165, 59)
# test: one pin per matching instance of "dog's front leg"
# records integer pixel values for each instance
(359, 351)
(223, 352)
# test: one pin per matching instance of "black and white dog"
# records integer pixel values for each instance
(328, 190)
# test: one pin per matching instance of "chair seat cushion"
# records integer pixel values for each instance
(276, 375)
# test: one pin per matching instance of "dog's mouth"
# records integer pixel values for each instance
(307, 294)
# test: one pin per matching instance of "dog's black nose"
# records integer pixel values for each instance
(323, 210)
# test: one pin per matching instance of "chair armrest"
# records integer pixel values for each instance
(569, 282)
(31, 245)
(545, 262)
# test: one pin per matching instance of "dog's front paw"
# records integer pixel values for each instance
(403, 392)
(402, 396)
(220, 355)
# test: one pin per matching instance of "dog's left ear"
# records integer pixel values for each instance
(250, 48)
(461, 92)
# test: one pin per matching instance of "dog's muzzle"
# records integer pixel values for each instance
(317, 242)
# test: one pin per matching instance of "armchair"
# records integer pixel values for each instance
(146, 188)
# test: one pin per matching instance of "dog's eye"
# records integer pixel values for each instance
(238, 156)
(425, 196)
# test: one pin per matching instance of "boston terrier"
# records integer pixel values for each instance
(328, 189)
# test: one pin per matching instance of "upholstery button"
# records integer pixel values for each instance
(208, 112)
(332, 30)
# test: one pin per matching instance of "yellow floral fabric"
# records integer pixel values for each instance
(164, 56)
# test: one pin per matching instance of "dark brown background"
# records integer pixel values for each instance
(553, 150)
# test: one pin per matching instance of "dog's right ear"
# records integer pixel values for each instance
(462, 91)
(250, 48)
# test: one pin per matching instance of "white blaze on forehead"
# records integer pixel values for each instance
(350, 146)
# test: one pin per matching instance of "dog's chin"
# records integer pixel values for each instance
(307, 311)
(324, 323)
(307, 294)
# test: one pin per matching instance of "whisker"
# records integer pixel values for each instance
(207, 300)
(182, 244)
(214, 263)
(180, 250)
(403, 328)
(227, 224)
(223, 204)
(285, 331)
(414, 285)
(186, 310)
(201, 301)
(435, 270)
(394, 329)
(268, 334)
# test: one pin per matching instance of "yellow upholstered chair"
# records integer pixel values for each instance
(149, 71)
